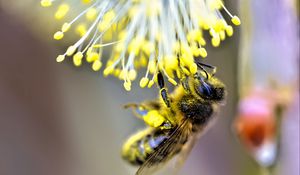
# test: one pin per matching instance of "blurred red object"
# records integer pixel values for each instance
(256, 125)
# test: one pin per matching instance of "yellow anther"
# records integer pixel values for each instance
(58, 35)
(220, 25)
(214, 5)
(152, 66)
(222, 35)
(236, 20)
(108, 70)
(202, 41)
(77, 62)
(194, 35)
(212, 32)
(229, 30)
(71, 50)
(102, 26)
(171, 62)
(89, 51)
(148, 48)
(78, 56)
(193, 68)
(171, 80)
(62, 11)
(109, 16)
(91, 14)
(123, 75)
(122, 35)
(195, 50)
(144, 81)
(93, 56)
(187, 59)
(116, 72)
(60, 58)
(203, 52)
(65, 27)
(81, 29)
(46, 3)
(120, 47)
(143, 61)
(86, 1)
(135, 45)
(151, 83)
(132, 74)
(127, 85)
(215, 41)
(96, 65)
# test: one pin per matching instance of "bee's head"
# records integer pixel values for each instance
(209, 88)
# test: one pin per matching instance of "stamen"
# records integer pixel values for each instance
(155, 35)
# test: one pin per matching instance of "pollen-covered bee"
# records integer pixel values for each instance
(175, 120)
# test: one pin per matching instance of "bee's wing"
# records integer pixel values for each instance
(190, 144)
(166, 150)
(185, 152)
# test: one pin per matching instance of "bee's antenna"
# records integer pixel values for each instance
(201, 65)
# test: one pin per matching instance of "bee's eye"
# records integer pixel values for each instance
(210, 92)
(205, 90)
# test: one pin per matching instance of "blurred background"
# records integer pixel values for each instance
(60, 119)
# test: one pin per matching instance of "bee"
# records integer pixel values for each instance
(175, 120)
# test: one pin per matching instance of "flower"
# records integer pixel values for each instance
(163, 36)
(257, 125)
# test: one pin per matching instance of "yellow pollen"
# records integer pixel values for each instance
(78, 56)
(65, 27)
(193, 68)
(58, 35)
(62, 11)
(151, 83)
(60, 58)
(77, 62)
(91, 14)
(132, 74)
(203, 52)
(96, 65)
(229, 30)
(144, 81)
(215, 41)
(171, 80)
(236, 20)
(108, 70)
(222, 35)
(86, 1)
(93, 56)
(46, 3)
(81, 29)
(127, 85)
(71, 50)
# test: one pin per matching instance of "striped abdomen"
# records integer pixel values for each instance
(140, 146)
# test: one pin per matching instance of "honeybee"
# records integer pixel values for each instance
(175, 120)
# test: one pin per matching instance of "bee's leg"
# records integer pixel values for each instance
(163, 91)
(201, 67)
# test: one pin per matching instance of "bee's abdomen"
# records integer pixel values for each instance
(140, 146)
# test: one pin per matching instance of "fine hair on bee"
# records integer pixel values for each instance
(174, 121)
